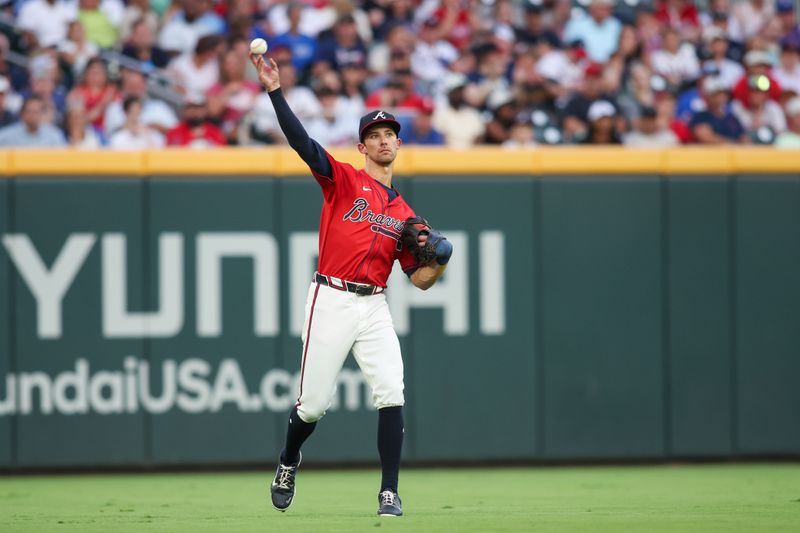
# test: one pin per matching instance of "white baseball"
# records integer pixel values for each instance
(258, 46)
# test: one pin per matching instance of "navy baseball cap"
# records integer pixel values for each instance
(377, 117)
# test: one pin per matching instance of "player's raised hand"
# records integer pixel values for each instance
(268, 74)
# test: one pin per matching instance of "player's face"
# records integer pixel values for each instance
(380, 144)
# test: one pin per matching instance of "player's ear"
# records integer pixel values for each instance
(362, 148)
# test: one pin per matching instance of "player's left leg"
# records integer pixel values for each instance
(377, 352)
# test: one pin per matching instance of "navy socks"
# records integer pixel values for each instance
(390, 445)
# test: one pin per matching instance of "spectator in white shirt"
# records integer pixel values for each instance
(648, 134)
(716, 42)
(563, 69)
(791, 137)
(46, 20)
(80, 134)
(196, 73)
(431, 55)
(155, 113)
(748, 18)
(181, 33)
(460, 123)
(261, 124)
(135, 135)
(787, 73)
(333, 127)
(677, 61)
(76, 50)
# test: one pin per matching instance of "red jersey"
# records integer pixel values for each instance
(206, 135)
(359, 228)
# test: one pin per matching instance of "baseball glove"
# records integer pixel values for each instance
(416, 226)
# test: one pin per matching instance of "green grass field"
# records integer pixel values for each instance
(703, 498)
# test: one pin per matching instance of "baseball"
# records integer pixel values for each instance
(258, 46)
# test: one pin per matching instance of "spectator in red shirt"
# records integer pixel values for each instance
(195, 130)
(231, 98)
(456, 22)
(757, 63)
(680, 15)
(666, 107)
(95, 92)
(398, 93)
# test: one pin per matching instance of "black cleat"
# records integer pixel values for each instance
(282, 487)
(390, 504)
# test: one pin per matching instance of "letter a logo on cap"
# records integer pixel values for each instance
(379, 115)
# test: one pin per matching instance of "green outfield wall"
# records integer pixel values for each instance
(151, 307)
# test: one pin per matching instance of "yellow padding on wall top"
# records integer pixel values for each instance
(282, 161)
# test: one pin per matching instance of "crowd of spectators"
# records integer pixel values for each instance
(137, 74)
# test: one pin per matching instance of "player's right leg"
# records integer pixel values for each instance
(329, 331)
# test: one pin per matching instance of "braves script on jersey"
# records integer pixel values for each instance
(360, 227)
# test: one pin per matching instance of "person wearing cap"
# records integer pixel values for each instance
(460, 123)
(716, 44)
(421, 130)
(362, 221)
(504, 115)
(759, 111)
(599, 30)
(757, 63)
(716, 124)
(602, 124)
(575, 114)
(32, 130)
(648, 133)
(791, 137)
(787, 72)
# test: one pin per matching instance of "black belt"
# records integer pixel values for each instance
(349, 286)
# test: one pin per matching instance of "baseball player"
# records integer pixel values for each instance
(364, 226)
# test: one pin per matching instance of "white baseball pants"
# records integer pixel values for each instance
(337, 322)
